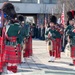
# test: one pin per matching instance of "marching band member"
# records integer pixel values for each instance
(50, 35)
(23, 36)
(12, 49)
(58, 32)
(71, 35)
(70, 32)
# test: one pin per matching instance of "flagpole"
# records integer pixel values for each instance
(63, 24)
(52, 11)
(63, 11)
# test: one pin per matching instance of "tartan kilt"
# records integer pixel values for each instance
(11, 55)
(31, 51)
(73, 51)
(54, 45)
(58, 47)
(2, 53)
(54, 48)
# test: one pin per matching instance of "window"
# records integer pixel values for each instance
(15, 0)
(48, 1)
(30, 1)
(54, 1)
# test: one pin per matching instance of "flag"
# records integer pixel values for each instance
(63, 17)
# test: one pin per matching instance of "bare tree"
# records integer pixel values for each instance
(69, 5)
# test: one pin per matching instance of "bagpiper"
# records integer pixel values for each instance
(71, 36)
(58, 39)
(72, 43)
(51, 37)
(68, 28)
(24, 34)
(12, 41)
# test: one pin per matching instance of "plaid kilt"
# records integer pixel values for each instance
(2, 53)
(54, 47)
(11, 55)
(30, 40)
(58, 47)
(73, 51)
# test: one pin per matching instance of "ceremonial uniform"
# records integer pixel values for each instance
(12, 47)
(13, 41)
(51, 43)
(13, 52)
(67, 30)
(54, 39)
(71, 34)
(69, 27)
(24, 36)
(58, 43)
(72, 43)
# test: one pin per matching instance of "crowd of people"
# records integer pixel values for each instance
(38, 32)
(61, 37)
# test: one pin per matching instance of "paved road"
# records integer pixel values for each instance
(38, 63)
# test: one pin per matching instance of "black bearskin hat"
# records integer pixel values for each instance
(73, 13)
(53, 19)
(20, 18)
(9, 10)
(70, 15)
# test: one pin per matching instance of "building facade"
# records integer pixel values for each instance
(39, 9)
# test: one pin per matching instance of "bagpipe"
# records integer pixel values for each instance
(59, 28)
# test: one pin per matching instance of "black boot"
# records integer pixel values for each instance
(0, 73)
(71, 64)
